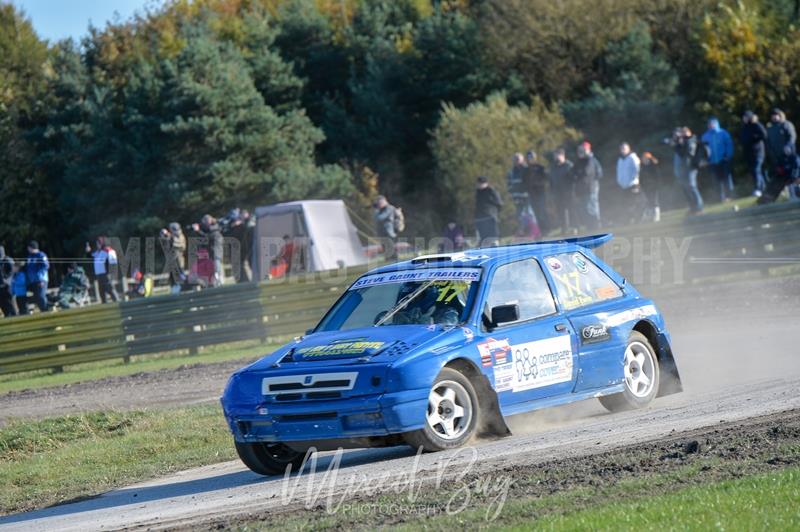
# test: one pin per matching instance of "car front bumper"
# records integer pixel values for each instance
(355, 417)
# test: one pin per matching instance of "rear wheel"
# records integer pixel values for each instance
(641, 376)
(268, 458)
(451, 416)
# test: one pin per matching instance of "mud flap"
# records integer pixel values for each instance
(492, 423)
(670, 378)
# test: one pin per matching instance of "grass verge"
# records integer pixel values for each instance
(246, 350)
(63, 458)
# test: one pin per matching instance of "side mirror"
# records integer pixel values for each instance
(504, 314)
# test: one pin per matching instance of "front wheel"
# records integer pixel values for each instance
(641, 376)
(268, 458)
(451, 416)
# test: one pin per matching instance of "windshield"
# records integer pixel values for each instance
(424, 297)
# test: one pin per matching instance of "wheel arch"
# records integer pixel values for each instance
(670, 378)
(492, 420)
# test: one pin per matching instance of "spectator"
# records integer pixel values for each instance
(587, 174)
(562, 190)
(105, 268)
(286, 254)
(538, 191)
(209, 229)
(678, 168)
(781, 136)
(74, 290)
(202, 272)
(19, 288)
(487, 212)
(36, 275)
(628, 166)
(173, 242)
(7, 305)
(651, 184)
(786, 172)
(516, 181)
(240, 228)
(689, 155)
(720, 147)
(385, 215)
(752, 139)
(453, 238)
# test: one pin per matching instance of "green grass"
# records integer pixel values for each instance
(763, 502)
(58, 459)
(249, 350)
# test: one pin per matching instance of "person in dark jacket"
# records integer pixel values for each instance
(587, 174)
(452, 238)
(781, 136)
(7, 305)
(36, 268)
(562, 189)
(786, 173)
(518, 189)
(688, 163)
(752, 137)
(385, 214)
(487, 212)
(209, 229)
(538, 186)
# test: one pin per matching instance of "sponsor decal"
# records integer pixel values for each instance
(592, 334)
(606, 292)
(340, 349)
(466, 275)
(554, 264)
(580, 263)
(625, 316)
(535, 364)
(464, 257)
(468, 334)
(499, 349)
(572, 294)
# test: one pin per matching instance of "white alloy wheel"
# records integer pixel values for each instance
(450, 410)
(640, 369)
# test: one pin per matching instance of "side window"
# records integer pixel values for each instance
(579, 281)
(522, 283)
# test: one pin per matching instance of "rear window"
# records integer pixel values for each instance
(580, 282)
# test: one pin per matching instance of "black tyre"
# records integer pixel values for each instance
(642, 376)
(269, 458)
(452, 415)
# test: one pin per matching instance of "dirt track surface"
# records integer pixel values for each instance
(735, 347)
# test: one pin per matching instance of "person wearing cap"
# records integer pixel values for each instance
(539, 192)
(752, 137)
(487, 212)
(7, 305)
(36, 276)
(720, 147)
(587, 174)
(781, 138)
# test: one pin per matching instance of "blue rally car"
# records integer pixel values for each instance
(433, 351)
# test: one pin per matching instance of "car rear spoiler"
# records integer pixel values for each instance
(589, 242)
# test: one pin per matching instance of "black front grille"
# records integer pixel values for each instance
(323, 395)
(289, 397)
(287, 386)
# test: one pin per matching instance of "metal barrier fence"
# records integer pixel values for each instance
(753, 241)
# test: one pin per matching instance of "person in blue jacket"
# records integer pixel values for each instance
(19, 288)
(720, 147)
(36, 267)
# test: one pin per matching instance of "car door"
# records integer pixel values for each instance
(590, 298)
(534, 356)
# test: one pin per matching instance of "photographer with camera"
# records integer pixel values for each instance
(173, 242)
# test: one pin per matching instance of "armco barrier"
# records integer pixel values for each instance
(751, 241)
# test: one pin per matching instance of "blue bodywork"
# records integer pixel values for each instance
(368, 386)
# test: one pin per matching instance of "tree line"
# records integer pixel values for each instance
(200, 106)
